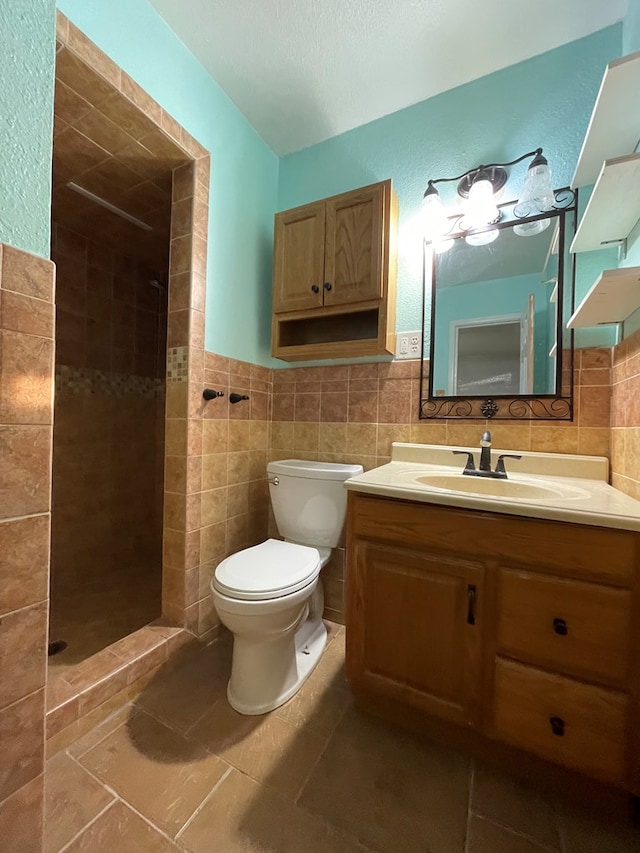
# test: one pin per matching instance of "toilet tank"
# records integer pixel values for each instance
(310, 500)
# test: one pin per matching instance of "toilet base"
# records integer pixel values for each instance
(289, 662)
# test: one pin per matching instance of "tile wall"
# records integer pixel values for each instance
(625, 417)
(108, 448)
(352, 413)
(26, 416)
(216, 499)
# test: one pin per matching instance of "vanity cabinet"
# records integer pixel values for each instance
(334, 276)
(522, 629)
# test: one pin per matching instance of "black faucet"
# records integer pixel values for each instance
(485, 460)
(485, 452)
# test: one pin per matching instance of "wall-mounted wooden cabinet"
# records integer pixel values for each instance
(522, 630)
(334, 276)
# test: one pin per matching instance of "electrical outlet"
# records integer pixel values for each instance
(408, 345)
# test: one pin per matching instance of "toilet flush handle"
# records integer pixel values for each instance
(273, 481)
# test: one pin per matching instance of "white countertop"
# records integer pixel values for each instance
(589, 499)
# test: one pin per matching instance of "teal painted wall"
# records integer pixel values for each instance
(244, 170)
(27, 36)
(545, 101)
(631, 28)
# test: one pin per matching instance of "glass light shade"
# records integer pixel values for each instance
(529, 229)
(482, 238)
(434, 216)
(537, 196)
(481, 206)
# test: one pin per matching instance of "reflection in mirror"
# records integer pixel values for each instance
(498, 310)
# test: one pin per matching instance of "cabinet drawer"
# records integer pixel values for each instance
(565, 721)
(579, 628)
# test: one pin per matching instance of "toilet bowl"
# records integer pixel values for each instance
(270, 596)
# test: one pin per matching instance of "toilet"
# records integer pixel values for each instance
(270, 596)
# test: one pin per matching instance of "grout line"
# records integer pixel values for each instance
(119, 798)
(77, 758)
(145, 819)
(204, 802)
(535, 841)
(84, 828)
(96, 778)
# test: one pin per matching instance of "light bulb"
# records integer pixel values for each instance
(433, 214)
(481, 205)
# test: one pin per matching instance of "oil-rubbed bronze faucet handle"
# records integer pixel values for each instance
(471, 465)
(500, 463)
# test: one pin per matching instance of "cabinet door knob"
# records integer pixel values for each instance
(328, 286)
(315, 288)
(557, 726)
(560, 627)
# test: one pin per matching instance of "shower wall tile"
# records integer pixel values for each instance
(24, 551)
(23, 638)
(22, 816)
(108, 443)
(26, 314)
(21, 742)
(625, 416)
(26, 415)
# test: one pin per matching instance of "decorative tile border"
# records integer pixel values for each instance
(178, 364)
(85, 380)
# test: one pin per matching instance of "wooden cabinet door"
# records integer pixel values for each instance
(415, 629)
(354, 254)
(298, 274)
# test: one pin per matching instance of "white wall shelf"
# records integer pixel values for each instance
(614, 128)
(614, 206)
(613, 298)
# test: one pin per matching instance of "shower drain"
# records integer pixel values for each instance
(56, 647)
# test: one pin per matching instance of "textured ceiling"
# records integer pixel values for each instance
(303, 70)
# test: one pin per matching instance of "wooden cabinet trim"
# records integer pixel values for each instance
(604, 555)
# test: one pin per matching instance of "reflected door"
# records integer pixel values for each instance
(493, 356)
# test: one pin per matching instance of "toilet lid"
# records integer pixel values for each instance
(268, 570)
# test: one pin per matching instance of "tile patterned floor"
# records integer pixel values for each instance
(180, 771)
(91, 616)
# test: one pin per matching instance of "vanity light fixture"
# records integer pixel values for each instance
(480, 187)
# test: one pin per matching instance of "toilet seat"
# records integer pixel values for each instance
(270, 570)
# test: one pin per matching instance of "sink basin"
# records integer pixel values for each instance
(511, 489)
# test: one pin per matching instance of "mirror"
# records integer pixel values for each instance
(494, 318)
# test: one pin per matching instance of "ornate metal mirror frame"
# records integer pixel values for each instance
(545, 406)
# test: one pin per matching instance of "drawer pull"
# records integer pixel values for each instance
(557, 726)
(471, 604)
(560, 627)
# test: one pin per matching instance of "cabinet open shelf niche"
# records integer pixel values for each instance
(606, 159)
(614, 206)
(613, 298)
